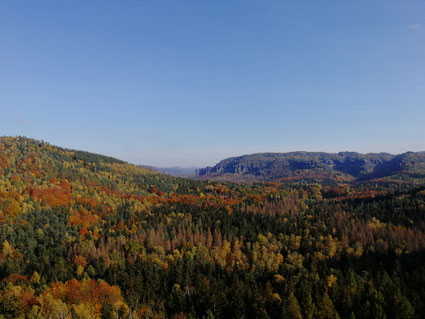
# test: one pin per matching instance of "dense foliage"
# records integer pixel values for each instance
(88, 236)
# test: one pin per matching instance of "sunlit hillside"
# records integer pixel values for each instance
(88, 236)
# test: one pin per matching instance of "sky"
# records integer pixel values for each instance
(188, 83)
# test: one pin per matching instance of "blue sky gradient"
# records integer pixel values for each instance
(191, 82)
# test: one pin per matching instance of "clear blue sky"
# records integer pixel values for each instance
(191, 82)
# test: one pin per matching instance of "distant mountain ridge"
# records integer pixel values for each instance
(342, 166)
(175, 170)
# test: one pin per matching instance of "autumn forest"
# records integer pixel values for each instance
(88, 236)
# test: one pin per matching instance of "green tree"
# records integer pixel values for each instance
(326, 309)
(292, 308)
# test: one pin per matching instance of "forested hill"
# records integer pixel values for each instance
(39, 170)
(343, 166)
(88, 236)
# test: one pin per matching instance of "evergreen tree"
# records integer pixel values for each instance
(326, 308)
(292, 308)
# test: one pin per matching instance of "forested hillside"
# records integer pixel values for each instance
(318, 167)
(88, 236)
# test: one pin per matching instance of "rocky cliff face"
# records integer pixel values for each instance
(298, 165)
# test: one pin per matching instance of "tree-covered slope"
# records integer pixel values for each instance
(48, 176)
(343, 166)
(87, 236)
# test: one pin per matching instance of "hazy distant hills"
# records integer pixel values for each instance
(175, 170)
(343, 166)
